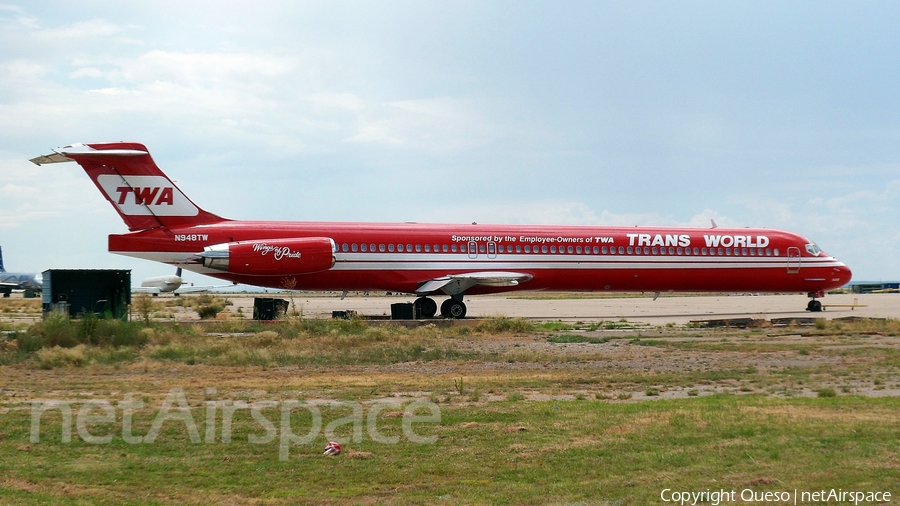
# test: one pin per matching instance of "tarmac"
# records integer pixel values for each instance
(678, 309)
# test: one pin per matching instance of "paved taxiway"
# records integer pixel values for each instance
(676, 309)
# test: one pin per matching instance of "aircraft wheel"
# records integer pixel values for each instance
(456, 309)
(814, 306)
(445, 308)
(425, 307)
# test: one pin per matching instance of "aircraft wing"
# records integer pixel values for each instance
(145, 289)
(199, 289)
(179, 290)
(453, 284)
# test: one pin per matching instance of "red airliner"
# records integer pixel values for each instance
(438, 259)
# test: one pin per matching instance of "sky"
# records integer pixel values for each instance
(783, 115)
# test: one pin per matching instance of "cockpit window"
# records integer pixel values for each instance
(813, 249)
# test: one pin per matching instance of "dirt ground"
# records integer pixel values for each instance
(649, 351)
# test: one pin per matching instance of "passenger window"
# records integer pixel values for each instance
(569, 250)
(552, 249)
(721, 252)
(776, 252)
(437, 247)
(704, 251)
(680, 251)
(604, 250)
(728, 251)
(597, 250)
(646, 250)
(518, 248)
(629, 250)
(345, 247)
(400, 248)
(527, 249)
(362, 247)
(354, 247)
(482, 248)
(744, 251)
(391, 248)
(427, 248)
(418, 248)
(578, 250)
(409, 248)
(372, 247)
(655, 250)
(462, 248)
(671, 250)
(381, 248)
(444, 248)
(621, 250)
(453, 248)
(697, 251)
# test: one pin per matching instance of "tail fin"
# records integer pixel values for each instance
(1, 261)
(129, 179)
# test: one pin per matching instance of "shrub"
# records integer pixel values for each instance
(56, 330)
(48, 358)
(210, 311)
(29, 342)
(504, 324)
(264, 339)
(143, 305)
(92, 329)
(827, 392)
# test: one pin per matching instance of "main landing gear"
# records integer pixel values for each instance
(815, 305)
(451, 308)
(425, 307)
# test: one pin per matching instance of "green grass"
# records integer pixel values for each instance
(798, 428)
(572, 339)
(510, 452)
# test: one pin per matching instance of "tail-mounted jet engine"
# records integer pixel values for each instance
(278, 257)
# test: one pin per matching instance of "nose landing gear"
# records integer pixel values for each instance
(815, 305)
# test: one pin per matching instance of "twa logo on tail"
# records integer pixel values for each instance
(146, 195)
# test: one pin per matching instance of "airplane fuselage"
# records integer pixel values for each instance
(398, 257)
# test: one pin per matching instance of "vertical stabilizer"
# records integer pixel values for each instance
(138, 190)
(1, 261)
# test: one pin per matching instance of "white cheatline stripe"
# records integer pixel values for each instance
(450, 262)
(382, 261)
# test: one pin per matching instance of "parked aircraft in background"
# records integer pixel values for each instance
(437, 259)
(171, 284)
(30, 282)
(161, 284)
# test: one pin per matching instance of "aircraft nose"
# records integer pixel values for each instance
(843, 272)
